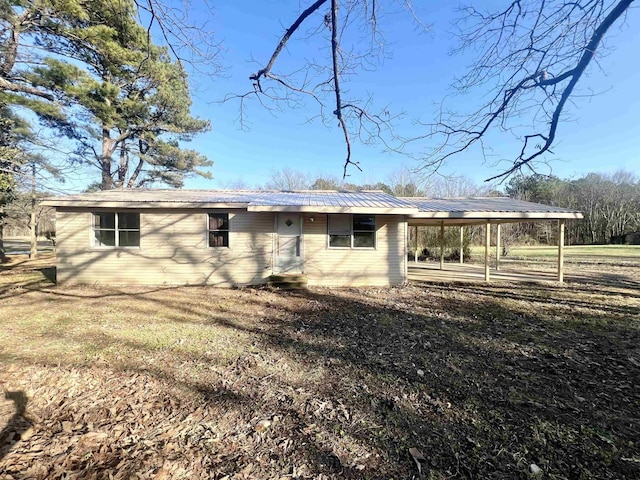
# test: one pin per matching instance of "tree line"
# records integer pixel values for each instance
(610, 203)
(401, 182)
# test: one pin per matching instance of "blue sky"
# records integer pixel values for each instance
(602, 135)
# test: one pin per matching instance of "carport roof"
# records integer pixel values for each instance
(477, 209)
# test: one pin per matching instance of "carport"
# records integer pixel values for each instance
(490, 212)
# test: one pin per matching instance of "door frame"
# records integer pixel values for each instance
(276, 239)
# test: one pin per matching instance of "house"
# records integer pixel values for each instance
(226, 238)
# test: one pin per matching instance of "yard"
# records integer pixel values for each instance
(194, 382)
(589, 254)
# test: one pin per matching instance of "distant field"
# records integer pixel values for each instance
(21, 245)
(577, 252)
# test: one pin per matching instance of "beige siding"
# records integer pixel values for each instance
(173, 250)
(384, 265)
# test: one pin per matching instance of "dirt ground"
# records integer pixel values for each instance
(422, 381)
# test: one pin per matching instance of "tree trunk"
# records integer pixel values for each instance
(123, 167)
(105, 160)
(3, 254)
(33, 253)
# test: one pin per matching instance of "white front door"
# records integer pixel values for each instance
(288, 243)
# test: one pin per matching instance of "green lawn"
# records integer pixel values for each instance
(579, 251)
(593, 253)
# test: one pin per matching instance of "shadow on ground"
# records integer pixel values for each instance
(198, 382)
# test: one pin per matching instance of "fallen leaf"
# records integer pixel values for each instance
(418, 457)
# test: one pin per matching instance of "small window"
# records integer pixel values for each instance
(116, 229)
(364, 231)
(352, 231)
(340, 231)
(218, 230)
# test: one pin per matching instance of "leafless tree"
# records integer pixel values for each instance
(404, 182)
(325, 81)
(235, 184)
(185, 31)
(439, 186)
(287, 179)
(531, 55)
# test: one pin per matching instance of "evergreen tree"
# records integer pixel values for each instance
(126, 103)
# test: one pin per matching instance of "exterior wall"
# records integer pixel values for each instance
(382, 266)
(173, 250)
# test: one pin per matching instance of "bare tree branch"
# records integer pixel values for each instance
(336, 85)
(263, 72)
(574, 75)
(188, 41)
(520, 49)
(324, 83)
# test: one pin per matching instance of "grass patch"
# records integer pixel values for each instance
(586, 256)
(593, 253)
(589, 251)
(198, 382)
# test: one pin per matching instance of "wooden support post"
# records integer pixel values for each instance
(407, 250)
(560, 251)
(415, 232)
(487, 245)
(461, 244)
(498, 246)
(441, 245)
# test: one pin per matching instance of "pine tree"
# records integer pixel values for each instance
(103, 84)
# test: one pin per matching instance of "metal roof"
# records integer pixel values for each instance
(419, 209)
(252, 200)
(487, 208)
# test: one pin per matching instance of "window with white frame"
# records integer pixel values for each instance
(352, 231)
(218, 230)
(116, 229)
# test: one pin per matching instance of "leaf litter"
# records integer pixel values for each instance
(423, 381)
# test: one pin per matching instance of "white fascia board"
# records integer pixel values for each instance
(499, 215)
(142, 205)
(332, 209)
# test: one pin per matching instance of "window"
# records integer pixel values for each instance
(116, 229)
(218, 229)
(352, 231)
(364, 231)
(340, 231)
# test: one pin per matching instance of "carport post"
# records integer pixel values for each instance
(442, 245)
(560, 251)
(415, 231)
(498, 246)
(487, 244)
(461, 244)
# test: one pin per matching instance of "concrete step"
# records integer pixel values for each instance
(288, 281)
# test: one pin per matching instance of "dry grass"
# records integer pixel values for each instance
(198, 382)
